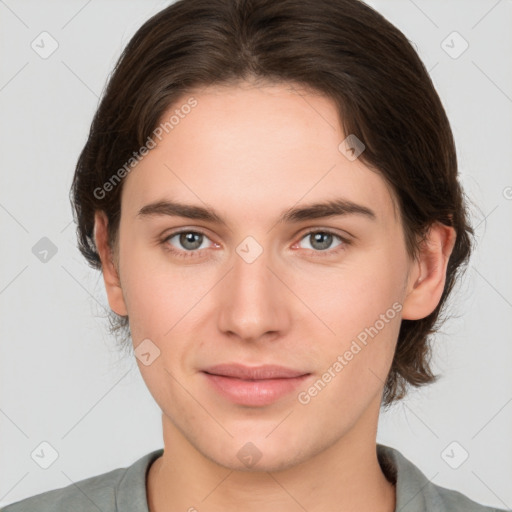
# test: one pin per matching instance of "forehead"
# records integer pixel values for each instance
(253, 149)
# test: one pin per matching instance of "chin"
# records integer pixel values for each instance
(262, 462)
(259, 453)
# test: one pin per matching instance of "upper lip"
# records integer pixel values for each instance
(240, 371)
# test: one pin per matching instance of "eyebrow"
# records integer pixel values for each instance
(332, 208)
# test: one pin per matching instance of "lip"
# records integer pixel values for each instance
(267, 371)
(254, 385)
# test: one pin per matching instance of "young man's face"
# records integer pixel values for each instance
(256, 290)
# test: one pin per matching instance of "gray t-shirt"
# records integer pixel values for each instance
(124, 490)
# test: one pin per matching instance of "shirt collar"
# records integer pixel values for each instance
(413, 489)
(131, 490)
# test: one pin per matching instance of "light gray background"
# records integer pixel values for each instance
(62, 380)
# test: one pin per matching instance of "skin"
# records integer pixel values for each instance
(250, 152)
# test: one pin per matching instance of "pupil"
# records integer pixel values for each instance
(191, 238)
(318, 238)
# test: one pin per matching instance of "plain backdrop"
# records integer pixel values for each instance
(62, 380)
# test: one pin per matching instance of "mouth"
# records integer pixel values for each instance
(254, 386)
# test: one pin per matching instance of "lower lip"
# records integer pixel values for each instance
(254, 392)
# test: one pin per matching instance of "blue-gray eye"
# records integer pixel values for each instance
(321, 240)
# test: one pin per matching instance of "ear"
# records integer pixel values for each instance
(428, 274)
(109, 270)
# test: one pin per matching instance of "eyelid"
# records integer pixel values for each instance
(344, 235)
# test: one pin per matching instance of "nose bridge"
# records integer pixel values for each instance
(252, 299)
(250, 276)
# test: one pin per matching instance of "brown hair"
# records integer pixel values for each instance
(343, 49)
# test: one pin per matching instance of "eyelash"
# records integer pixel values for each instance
(192, 254)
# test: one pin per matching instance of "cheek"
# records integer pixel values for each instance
(353, 367)
(351, 297)
(165, 302)
(154, 294)
(361, 305)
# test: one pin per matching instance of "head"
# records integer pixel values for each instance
(248, 112)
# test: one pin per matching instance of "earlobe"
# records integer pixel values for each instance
(109, 270)
(428, 275)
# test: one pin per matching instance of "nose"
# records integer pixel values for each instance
(253, 301)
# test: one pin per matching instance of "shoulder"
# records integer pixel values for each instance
(454, 500)
(82, 495)
(416, 493)
(119, 489)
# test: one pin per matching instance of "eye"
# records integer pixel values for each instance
(186, 243)
(321, 241)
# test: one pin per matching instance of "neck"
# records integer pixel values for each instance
(346, 476)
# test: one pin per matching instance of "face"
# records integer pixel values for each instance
(256, 284)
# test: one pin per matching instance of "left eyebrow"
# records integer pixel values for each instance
(332, 208)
